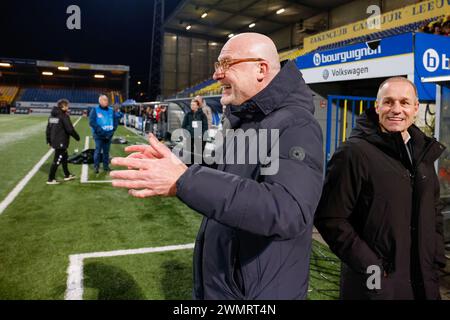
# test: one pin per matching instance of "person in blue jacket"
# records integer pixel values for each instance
(103, 122)
(255, 238)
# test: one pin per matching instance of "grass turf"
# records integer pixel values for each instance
(45, 224)
(22, 145)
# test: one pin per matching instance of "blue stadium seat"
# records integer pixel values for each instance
(53, 95)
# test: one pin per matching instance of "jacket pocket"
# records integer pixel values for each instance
(235, 274)
(238, 277)
(377, 233)
(375, 220)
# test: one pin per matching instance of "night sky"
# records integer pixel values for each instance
(112, 32)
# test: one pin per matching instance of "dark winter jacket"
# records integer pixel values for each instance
(255, 239)
(379, 209)
(59, 129)
(195, 116)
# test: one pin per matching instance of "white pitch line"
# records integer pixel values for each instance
(75, 289)
(21, 185)
(137, 133)
(98, 181)
(84, 167)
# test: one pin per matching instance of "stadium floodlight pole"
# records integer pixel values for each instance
(126, 85)
(155, 73)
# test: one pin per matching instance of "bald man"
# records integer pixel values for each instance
(103, 121)
(380, 211)
(255, 238)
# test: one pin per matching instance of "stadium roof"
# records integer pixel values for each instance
(226, 17)
(60, 72)
(71, 65)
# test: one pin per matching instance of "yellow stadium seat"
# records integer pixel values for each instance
(8, 93)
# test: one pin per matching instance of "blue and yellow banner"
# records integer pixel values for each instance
(389, 20)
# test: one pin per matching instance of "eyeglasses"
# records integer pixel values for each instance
(225, 64)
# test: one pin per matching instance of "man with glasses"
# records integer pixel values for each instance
(255, 238)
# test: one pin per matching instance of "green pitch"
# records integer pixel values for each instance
(44, 225)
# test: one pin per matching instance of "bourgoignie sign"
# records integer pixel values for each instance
(393, 56)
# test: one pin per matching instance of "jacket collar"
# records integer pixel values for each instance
(368, 128)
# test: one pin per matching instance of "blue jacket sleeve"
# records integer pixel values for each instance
(281, 205)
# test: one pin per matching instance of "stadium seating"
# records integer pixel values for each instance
(212, 89)
(192, 90)
(8, 94)
(291, 54)
(115, 97)
(88, 95)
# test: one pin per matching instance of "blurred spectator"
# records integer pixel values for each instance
(446, 27)
(196, 123)
(148, 117)
(156, 112)
(162, 123)
(206, 110)
(224, 122)
(437, 27)
(425, 28)
(118, 114)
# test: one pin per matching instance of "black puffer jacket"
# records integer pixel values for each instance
(378, 209)
(255, 238)
(59, 129)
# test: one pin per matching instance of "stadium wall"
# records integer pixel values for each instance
(294, 35)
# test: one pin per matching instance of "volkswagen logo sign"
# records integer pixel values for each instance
(317, 59)
(325, 74)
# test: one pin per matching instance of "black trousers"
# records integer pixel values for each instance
(60, 158)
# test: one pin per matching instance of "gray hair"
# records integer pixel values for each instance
(103, 96)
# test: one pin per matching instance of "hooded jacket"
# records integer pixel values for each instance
(378, 208)
(59, 129)
(255, 239)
